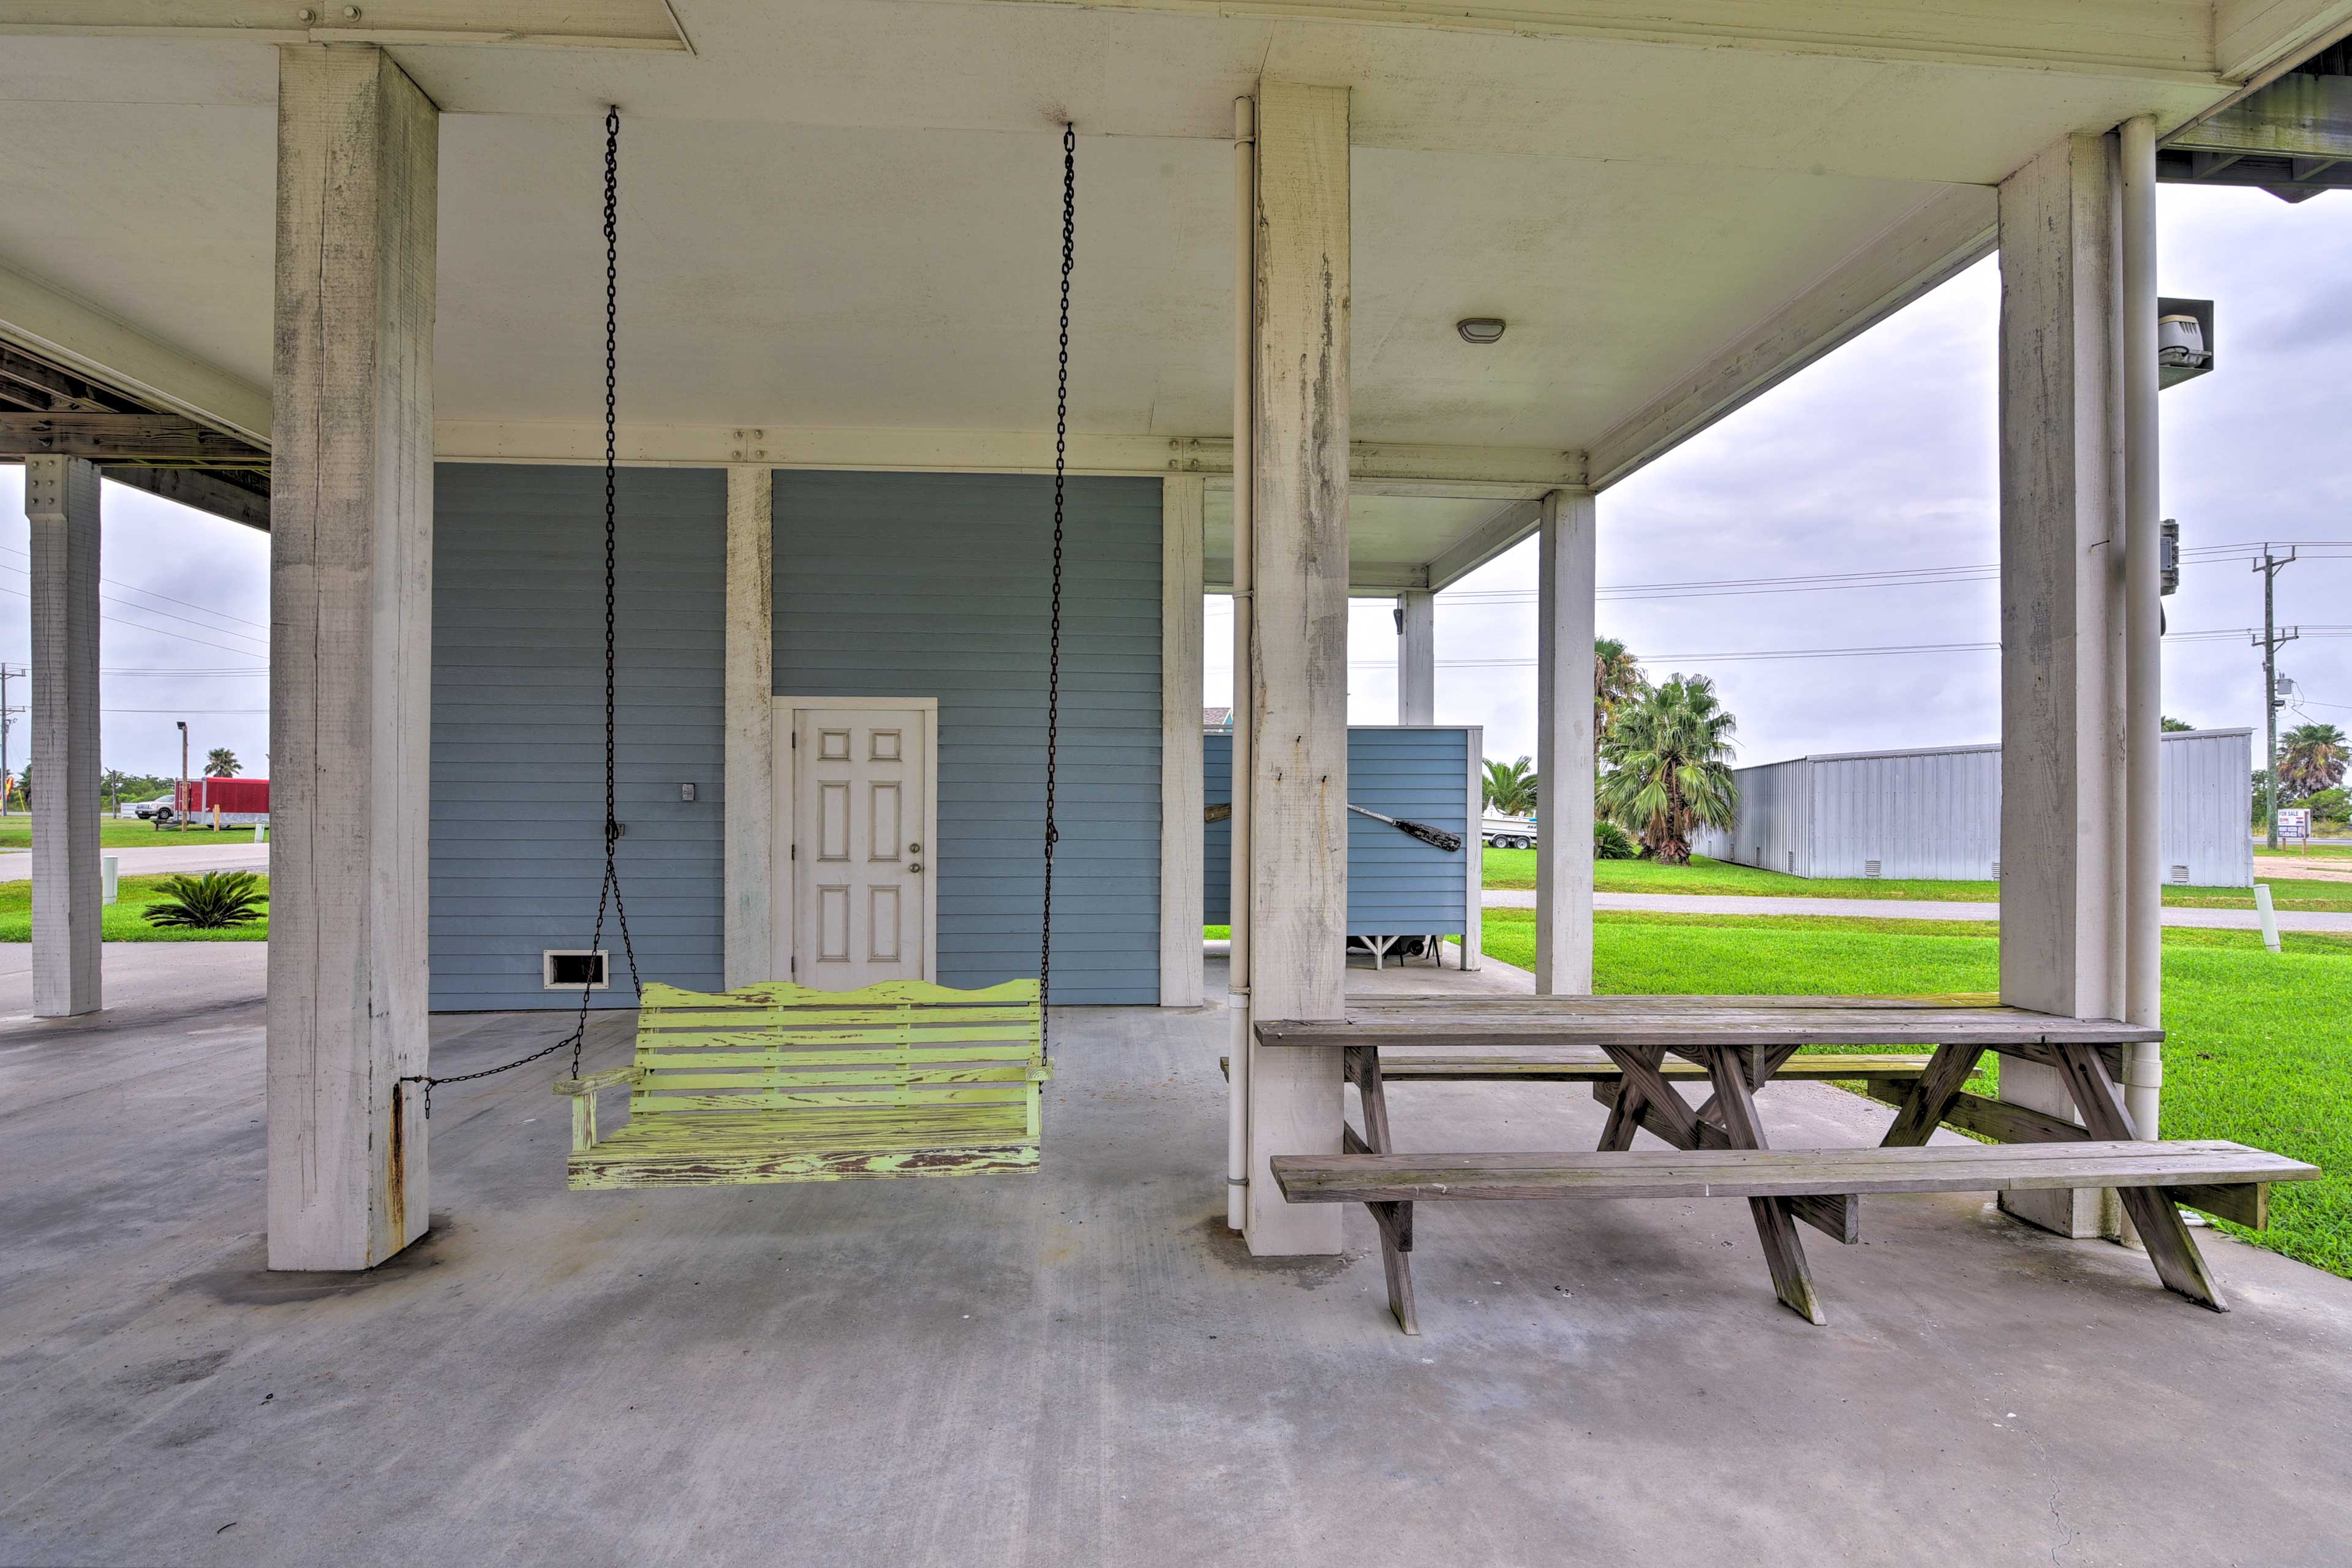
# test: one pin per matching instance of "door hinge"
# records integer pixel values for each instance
(793, 853)
(796, 739)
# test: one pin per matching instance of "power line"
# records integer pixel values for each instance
(208, 712)
(167, 598)
(143, 626)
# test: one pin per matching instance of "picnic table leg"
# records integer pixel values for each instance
(1931, 1096)
(1776, 1226)
(1394, 1219)
(2170, 1246)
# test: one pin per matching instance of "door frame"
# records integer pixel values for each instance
(783, 888)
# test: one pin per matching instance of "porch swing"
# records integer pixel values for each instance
(780, 1082)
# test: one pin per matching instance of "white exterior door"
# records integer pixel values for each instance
(860, 862)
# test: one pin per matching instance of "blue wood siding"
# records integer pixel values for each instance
(938, 585)
(518, 801)
(1397, 886)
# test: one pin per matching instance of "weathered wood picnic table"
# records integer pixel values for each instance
(1720, 1148)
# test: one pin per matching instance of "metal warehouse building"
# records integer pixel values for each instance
(1937, 813)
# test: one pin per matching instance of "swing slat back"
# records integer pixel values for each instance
(780, 1083)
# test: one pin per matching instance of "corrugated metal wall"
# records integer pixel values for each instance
(2207, 783)
(1936, 814)
(1397, 886)
(518, 786)
(1774, 818)
(937, 585)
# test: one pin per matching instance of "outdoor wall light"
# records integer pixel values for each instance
(1481, 330)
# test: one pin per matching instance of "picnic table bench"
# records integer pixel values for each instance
(1719, 1148)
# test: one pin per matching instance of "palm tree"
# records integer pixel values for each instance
(1616, 680)
(1669, 753)
(223, 764)
(1510, 787)
(2312, 757)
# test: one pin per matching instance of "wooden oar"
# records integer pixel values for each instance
(1449, 842)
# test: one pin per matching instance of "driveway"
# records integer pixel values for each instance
(17, 867)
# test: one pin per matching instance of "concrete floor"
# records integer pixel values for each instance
(1082, 1367)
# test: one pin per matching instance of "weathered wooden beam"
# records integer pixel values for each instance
(61, 502)
(562, 24)
(351, 687)
(120, 437)
(210, 490)
(1182, 841)
(1295, 700)
(57, 328)
(1564, 742)
(44, 388)
(748, 942)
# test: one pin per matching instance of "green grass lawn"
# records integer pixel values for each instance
(2260, 1048)
(123, 833)
(1516, 868)
(121, 921)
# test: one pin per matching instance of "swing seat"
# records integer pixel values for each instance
(782, 1083)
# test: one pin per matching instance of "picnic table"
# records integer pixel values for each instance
(1719, 1147)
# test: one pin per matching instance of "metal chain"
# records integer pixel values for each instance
(608, 895)
(1053, 642)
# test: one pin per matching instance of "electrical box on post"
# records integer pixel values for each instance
(2169, 557)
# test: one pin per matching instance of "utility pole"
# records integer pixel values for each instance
(2270, 642)
(7, 722)
(182, 805)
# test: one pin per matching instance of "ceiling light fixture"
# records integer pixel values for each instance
(1481, 330)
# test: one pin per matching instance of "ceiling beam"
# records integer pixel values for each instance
(1944, 234)
(557, 23)
(53, 325)
(1490, 539)
(2170, 42)
(2296, 116)
(1376, 467)
(125, 438)
(46, 389)
(203, 489)
(2255, 39)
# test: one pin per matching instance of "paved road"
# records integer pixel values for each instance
(17, 865)
(1900, 909)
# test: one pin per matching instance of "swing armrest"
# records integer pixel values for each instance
(583, 1091)
(588, 1083)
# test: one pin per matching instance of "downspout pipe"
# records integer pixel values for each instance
(2142, 609)
(1245, 705)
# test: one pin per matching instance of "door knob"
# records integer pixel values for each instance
(915, 867)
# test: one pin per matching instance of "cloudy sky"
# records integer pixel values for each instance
(1884, 458)
(1879, 459)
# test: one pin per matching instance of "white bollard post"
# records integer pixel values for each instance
(2269, 916)
(109, 876)
(261, 833)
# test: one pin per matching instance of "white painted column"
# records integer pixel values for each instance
(1184, 500)
(1564, 630)
(2143, 1072)
(61, 504)
(749, 943)
(1294, 697)
(2062, 892)
(351, 656)
(1417, 657)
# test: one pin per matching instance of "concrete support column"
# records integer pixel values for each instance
(1417, 657)
(2062, 614)
(1294, 697)
(1183, 504)
(748, 944)
(61, 504)
(1564, 741)
(351, 656)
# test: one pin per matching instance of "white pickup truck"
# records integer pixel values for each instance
(1507, 832)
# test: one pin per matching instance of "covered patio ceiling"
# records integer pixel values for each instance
(840, 216)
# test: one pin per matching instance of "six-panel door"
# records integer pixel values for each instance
(860, 872)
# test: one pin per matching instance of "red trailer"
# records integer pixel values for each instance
(241, 801)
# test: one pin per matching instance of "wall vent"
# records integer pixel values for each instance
(1996, 871)
(1792, 862)
(2180, 875)
(569, 969)
(1870, 868)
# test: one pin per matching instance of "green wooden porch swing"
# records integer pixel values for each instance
(778, 1082)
